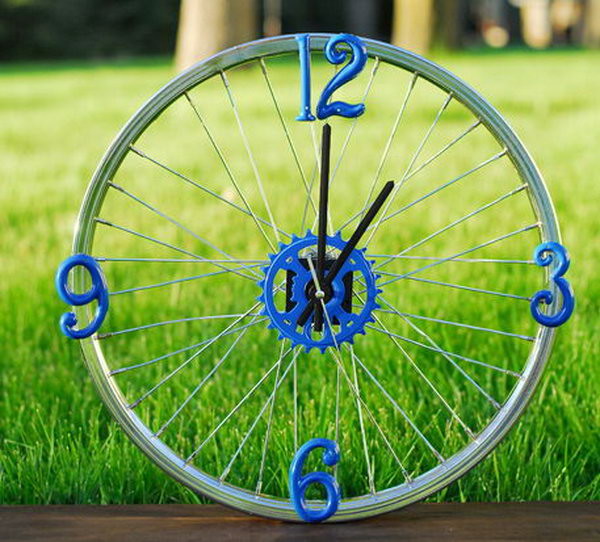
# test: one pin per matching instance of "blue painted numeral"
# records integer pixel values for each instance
(544, 255)
(299, 484)
(98, 291)
(334, 55)
(304, 53)
(347, 73)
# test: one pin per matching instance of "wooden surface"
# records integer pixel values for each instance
(575, 522)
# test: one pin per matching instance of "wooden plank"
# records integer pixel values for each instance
(440, 522)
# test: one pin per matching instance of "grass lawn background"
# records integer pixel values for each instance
(58, 443)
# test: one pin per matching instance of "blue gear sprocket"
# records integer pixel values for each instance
(345, 324)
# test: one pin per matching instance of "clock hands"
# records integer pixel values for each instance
(348, 248)
(323, 203)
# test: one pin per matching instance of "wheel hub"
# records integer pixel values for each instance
(288, 276)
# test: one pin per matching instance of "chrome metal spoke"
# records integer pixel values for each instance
(458, 286)
(460, 324)
(428, 338)
(463, 218)
(173, 221)
(288, 136)
(240, 403)
(363, 435)
(169, 245)
(178, 281)
(181, 350)
(440, 350)
(177, 369)
(401, 411)
(458, 254)
(416, 155)
(426, 380)
(348, 381)
(351, 130)
(295, 400)
(201, 384)
(449, 145)
(465, 260)
(179, 260)
(443, 186)
(354, 121)
(181, 176)
(386, 150)
(242, 131)
(177, 321)
(272, 399)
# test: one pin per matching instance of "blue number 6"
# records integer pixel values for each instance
(544, 255)
(299, 484)
(98, 291)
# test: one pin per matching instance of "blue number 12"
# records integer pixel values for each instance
(335, 56)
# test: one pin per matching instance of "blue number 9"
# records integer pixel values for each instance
(299, 484)
(98, 291)
(347, 73)
(544, 255)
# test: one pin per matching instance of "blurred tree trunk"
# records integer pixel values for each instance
(413, 24)
(535, 17)
(453, 14)
(208, 26)
(591, 28)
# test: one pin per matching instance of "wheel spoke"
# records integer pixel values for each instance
(461, 253)
(460, 324)
(354, 122)
(249, 394)
(453, 354)
(272, 399)
(436, 258)
(168, 245)
(210, 374)
(178, 281)
(426, 380)
(288, 136)
(177, 321)
(386, 150)
(462, 219)
(184, 349)
(259, 182)
(363, 435)
(401, 411)
(206, 345)
(181, 176)
(173, 221)
(351, 386)
(444, 186)
(416, 154)
(458, 286)
(428, 338)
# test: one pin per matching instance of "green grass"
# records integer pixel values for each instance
(58, 443)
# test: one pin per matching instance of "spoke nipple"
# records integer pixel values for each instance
(320, 294)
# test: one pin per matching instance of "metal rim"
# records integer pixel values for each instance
(385, 500)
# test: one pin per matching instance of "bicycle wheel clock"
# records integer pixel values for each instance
(303, 278)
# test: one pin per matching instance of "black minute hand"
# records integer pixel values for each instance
(323, 203)
(350, 246)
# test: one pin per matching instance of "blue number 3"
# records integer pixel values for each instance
(335, 55)
(299, 484)
(98, 291)
(544, 255)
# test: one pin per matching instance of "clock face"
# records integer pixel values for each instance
(303, 277)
